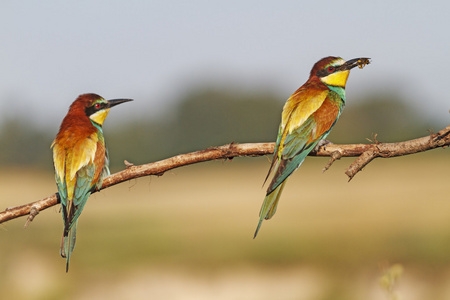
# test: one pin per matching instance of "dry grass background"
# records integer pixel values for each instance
(188, 234)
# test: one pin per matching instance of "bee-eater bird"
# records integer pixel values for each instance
(80, 159)
(307, 117)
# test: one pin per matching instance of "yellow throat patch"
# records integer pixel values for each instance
(100, 116)
(336, 79)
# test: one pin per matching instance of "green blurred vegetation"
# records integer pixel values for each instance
(385, 114)
(205, 117)
(213, 116)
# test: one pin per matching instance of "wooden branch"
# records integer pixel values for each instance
(365, 153)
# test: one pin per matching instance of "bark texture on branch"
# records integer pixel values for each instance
(365, 153)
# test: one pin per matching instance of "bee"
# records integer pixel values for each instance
(363, 62)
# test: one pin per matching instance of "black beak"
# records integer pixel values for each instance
(115, 102)
(360, 62)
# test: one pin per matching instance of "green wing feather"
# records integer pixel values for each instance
(296, 148)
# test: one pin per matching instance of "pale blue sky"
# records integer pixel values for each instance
(152, 51)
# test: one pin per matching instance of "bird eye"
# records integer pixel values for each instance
(97, 105)
(330, 69)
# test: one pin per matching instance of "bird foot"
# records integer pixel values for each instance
(321, 143)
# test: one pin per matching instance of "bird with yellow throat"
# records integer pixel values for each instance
(80, 160)
(308, 116)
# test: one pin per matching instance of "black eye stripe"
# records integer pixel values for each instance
(93, 109)
(325, 72)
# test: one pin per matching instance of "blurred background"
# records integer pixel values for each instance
(203, 74)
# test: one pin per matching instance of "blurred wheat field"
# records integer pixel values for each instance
(188, 234)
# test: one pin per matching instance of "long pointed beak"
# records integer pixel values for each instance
(360, 62)
(115, 102)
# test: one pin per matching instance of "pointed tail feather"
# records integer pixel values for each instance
(269, 206)
(68, 244)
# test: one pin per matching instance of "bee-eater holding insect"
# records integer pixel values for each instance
(80, 159)
(307, 117)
